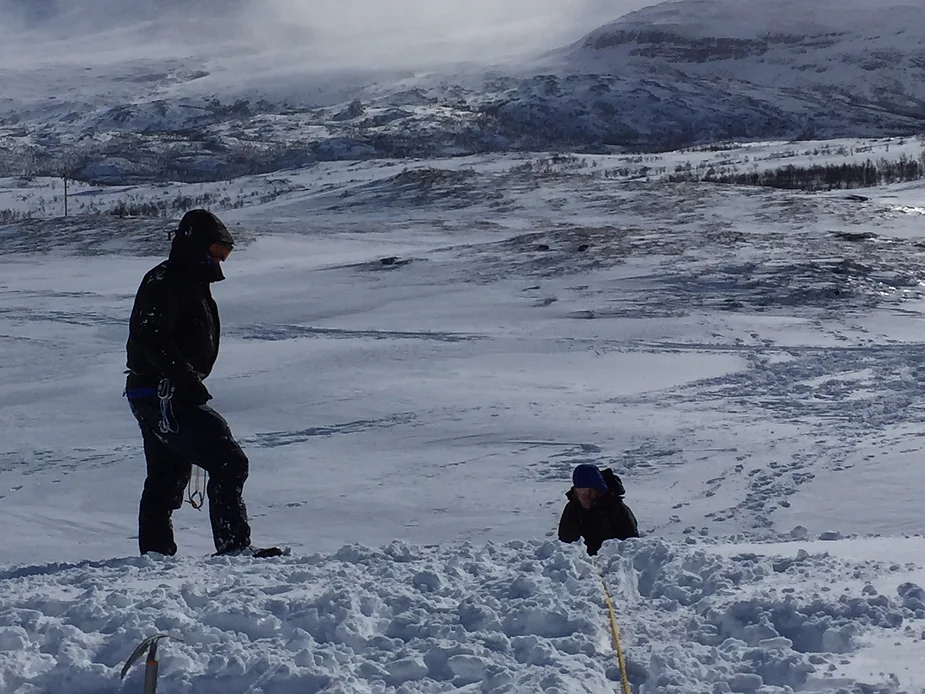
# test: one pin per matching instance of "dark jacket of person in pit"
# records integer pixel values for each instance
(595, 510)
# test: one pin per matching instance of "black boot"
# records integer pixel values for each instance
(256, 552)
(155, 530)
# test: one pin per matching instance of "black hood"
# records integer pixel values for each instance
(198, 230)
(614, 483)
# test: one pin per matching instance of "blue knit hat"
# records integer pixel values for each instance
(587, 475)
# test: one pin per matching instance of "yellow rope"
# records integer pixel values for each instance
(194, 494)
(614, 630)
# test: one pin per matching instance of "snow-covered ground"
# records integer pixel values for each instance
(415, 355)
(523, 616)
(420, 180)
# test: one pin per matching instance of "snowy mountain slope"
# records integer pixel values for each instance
(712, 69)
(857, 53)
(667, 76)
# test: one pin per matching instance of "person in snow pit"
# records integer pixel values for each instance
(172, 346)
(595, 510)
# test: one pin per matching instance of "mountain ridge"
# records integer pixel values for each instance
(672, 75)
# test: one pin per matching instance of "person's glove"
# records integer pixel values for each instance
(196, 393)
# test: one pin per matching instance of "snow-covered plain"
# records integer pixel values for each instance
(415, 355)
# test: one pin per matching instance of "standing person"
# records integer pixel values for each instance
(172, 346)
(595, 510)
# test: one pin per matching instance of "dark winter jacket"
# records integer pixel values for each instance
(608, 519)
(174, 327)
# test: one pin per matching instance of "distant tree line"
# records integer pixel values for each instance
(10, 215)
(817, 176)
(160, 208)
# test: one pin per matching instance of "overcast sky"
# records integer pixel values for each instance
(351, 33)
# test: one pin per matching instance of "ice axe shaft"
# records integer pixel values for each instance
(151, 673)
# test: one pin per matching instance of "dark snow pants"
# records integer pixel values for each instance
(190, 435)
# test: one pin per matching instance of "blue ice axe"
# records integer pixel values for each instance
(150, 663)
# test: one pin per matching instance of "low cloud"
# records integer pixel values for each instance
(354, 34)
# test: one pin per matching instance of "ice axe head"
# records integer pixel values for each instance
(151, 643)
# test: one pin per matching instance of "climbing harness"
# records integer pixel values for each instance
(614, 629)
(195, 488)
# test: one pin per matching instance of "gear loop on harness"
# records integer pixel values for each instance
(168, 423)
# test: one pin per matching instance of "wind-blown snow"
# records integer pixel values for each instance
(321, 35)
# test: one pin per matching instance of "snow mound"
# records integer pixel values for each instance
(522, 616)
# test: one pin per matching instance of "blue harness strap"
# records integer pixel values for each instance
(135, 393)
(164, 394)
